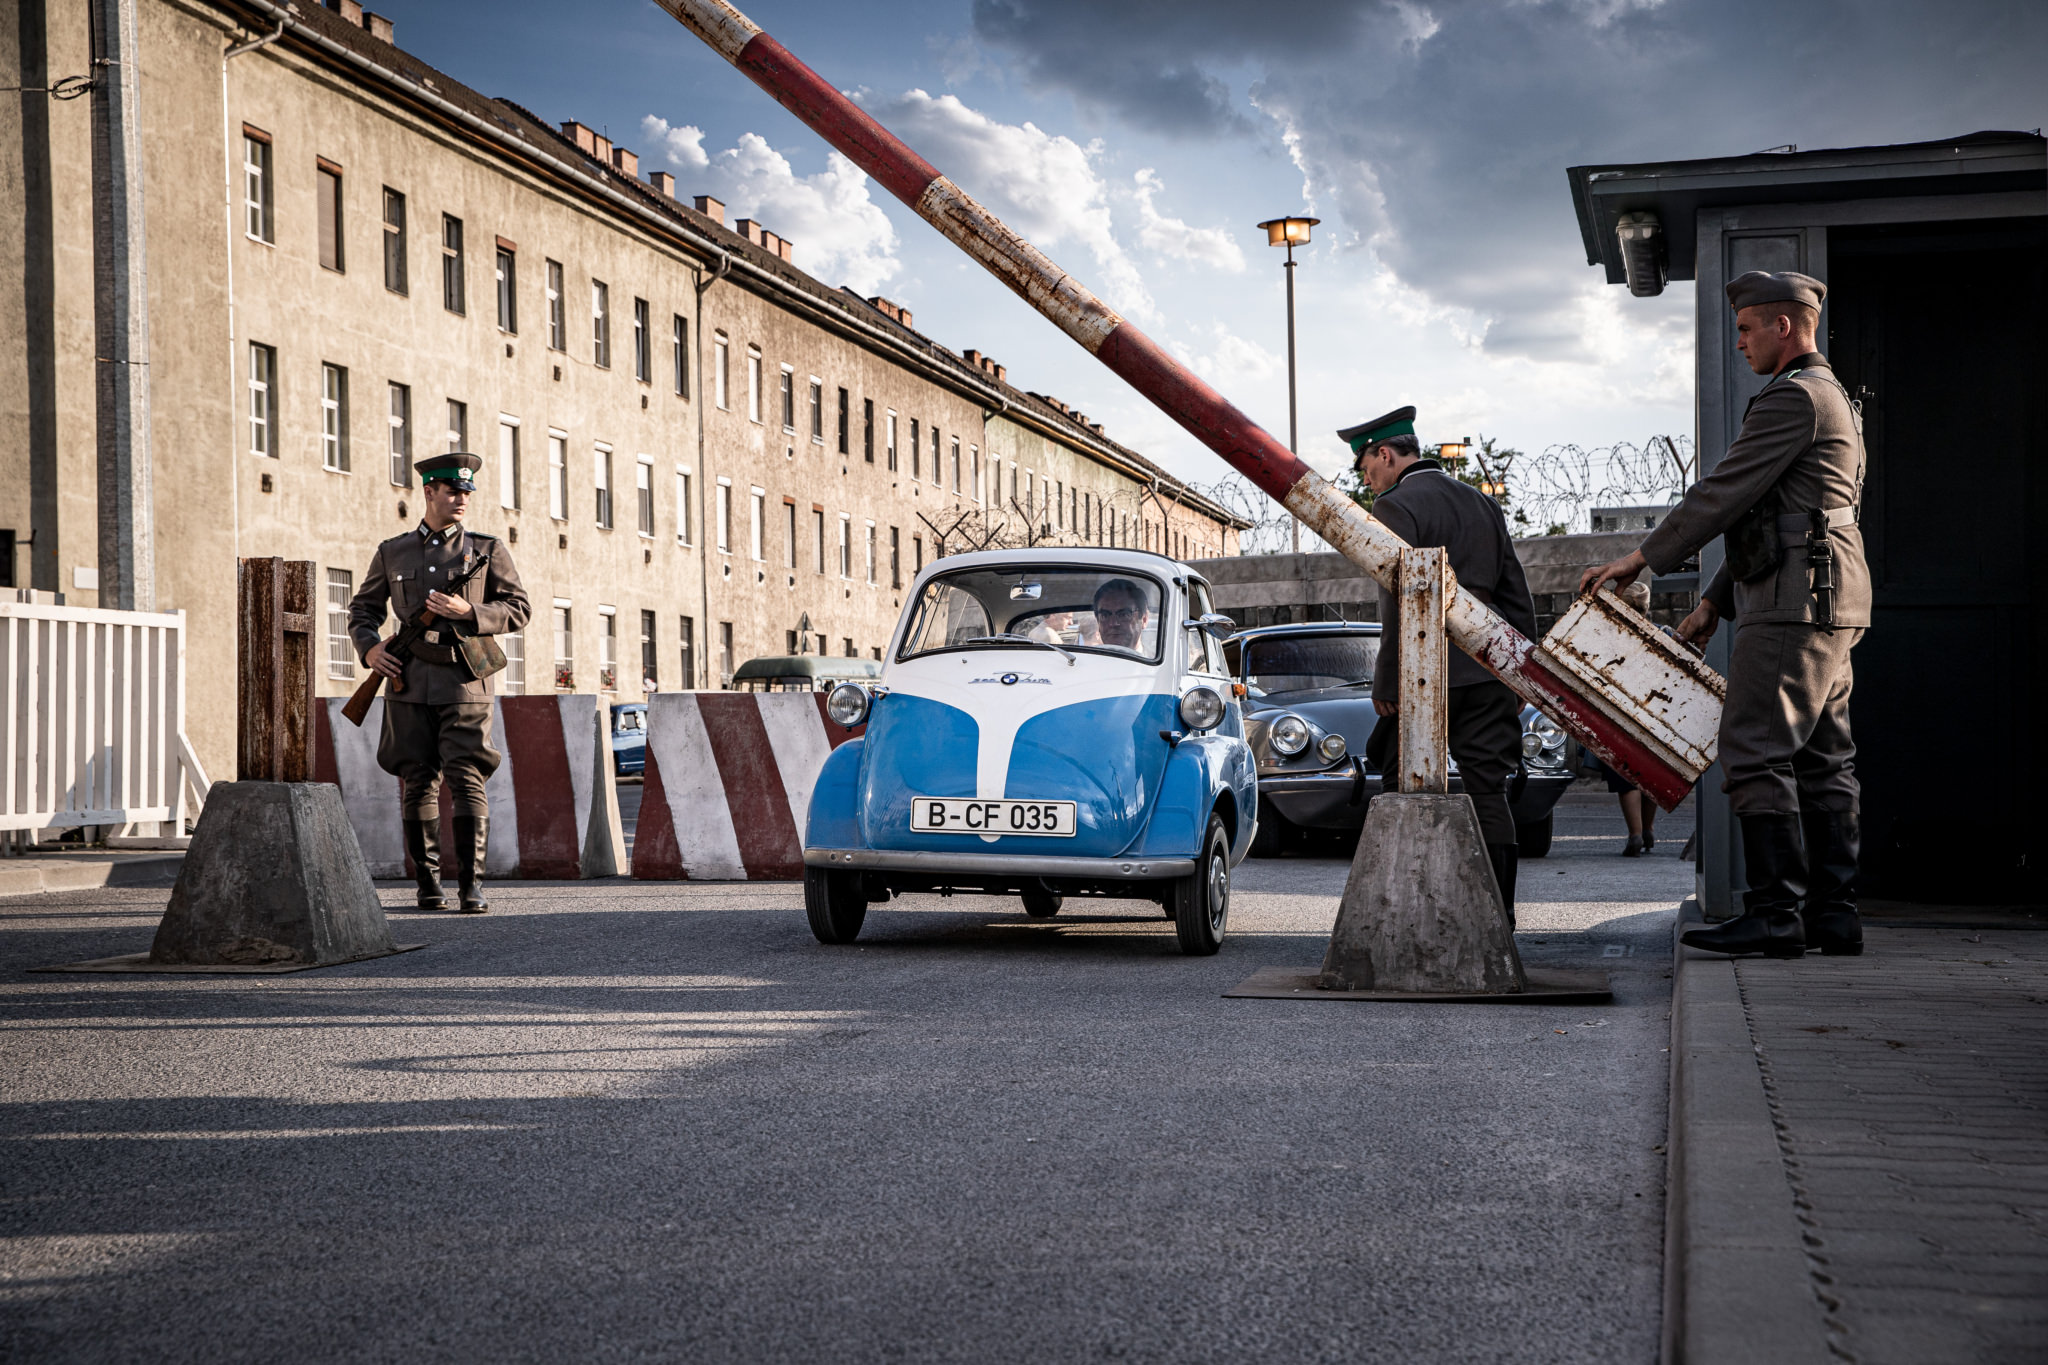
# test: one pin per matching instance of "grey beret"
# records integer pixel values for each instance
(1762, 286)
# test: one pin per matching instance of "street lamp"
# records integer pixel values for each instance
(1290, 233)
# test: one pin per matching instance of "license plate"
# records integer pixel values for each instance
(952, 815)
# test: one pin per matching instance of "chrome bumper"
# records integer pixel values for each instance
(997, 864)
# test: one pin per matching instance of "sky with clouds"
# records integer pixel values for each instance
(1137, 142)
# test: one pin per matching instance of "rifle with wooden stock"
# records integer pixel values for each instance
(410, 633)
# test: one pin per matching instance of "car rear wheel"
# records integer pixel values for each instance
(1533, 840)
(834, 904)
(1274, 833)
(1201, 900)
(1040, 903)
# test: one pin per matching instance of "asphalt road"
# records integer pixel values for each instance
(627, 1121)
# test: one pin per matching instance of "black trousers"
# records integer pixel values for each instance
(422, 744)
(1485, 721)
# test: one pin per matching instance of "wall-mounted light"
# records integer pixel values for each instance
(1642, 253)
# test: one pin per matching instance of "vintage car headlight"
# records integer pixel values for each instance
(848, 704)
(1201, 708)
(1332, 748)
(1289, 736)
(1543, 743)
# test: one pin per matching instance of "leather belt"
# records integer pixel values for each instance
(1794, 526)
(433, 654)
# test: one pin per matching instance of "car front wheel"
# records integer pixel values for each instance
(1201, 900)
(834, 904)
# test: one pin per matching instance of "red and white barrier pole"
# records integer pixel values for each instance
(1206, 414)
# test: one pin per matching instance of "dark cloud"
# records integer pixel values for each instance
(1439, 133)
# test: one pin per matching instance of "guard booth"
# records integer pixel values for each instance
(1936, 260)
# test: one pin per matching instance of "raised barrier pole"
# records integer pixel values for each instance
(1206, 414)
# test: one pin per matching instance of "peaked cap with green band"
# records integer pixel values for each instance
(458, 467)
(1399, 422)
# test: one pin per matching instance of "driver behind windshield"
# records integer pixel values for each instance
(1120, 614)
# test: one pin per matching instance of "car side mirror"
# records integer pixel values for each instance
(1216, 623)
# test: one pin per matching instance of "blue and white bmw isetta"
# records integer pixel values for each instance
(1048, 723)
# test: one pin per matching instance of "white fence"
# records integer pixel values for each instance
(93, 726)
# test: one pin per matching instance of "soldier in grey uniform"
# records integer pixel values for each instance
(1785, 496)
(1425, 506)
(437, 717)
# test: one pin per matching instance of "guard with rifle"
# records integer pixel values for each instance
(1786, 499)
(452, 590)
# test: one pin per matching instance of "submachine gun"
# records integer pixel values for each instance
(409, 634)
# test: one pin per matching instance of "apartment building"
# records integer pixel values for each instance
(697, 452)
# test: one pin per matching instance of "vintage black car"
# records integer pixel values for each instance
(1308, 713)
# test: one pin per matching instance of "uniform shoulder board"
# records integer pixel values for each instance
(479, 535)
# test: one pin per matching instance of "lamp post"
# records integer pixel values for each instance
(1290, 233)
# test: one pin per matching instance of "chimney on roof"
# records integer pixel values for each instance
(351, 11)
(626, 163)
(710, 208)
(770, 243)
(884, 307)
(663, 182)
(379, 26)
(603, 150)
(785, 248)
(972, 357)
(749, 229)
(583, 137)
(1095, 427)
(999, 373)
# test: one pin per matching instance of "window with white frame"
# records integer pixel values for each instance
(679, 333)
(974, 472)
(956, 464)
(643, 495)
(565, 646)
(508, 462)
(721, 371)
(399, 422)
(682, 504)
(938, 473)
(601, 324)
(889, 430)
(508, 288)
(341, 650)
(259, 220)
(607, 649)
(788, 398)
(818, 536)
(262, 399)
(601, 477)
(458, 425)
(789, 534)
(394, 241)
(722, 515)
(871, 547)
(558, 329)
(753, 384)
(845, 545)
(643, 343)
(650, 656)
(454, 292)
(558, 475)
(334, 418)
(327, 209)
(513, 679)
(817, 411)
(757, 533)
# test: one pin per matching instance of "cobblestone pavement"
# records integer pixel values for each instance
(1910, 1092)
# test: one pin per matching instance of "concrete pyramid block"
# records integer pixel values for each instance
(274, 875)
(1421, 911)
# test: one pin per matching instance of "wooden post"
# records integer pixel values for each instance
(275, 671)
(1426, 585)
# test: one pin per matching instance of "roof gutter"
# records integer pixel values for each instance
(696, 241)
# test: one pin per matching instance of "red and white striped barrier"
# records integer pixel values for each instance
(554, 800)
(728, 784)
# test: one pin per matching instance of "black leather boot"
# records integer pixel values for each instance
(1834, 842)
(423, 846)
(470, 833)
(1775, 861)
(1504, 858)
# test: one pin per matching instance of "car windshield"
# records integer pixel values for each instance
(1112, 611)
(1302, 663)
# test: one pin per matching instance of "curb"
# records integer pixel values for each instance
(1737, 1287)
(35, 876)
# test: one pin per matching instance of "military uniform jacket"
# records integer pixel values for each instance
(1429, 507)
(401, 574)
(1800, 444)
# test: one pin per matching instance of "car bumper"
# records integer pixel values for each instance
(1324, 800)
(939, 862)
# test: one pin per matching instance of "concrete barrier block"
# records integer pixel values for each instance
(274, 875)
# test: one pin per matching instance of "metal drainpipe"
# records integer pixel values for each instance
(227, 169)
(703, 475)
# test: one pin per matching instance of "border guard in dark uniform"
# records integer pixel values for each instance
(437, 717)
(1420, 502)
(1786, 498)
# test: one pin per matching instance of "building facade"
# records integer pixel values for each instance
(697, 452)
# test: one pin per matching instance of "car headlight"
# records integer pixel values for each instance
(1289, 736)
(1201, 708)
(1332, 748)
(847, 705)
(1543, 742)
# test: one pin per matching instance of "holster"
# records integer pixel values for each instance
(480, 655)
(1755, 549)
(1820, 554)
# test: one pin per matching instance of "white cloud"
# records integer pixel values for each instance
(1172, 237)
(1044, 186)
(1233, 363)
(682, 147)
